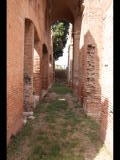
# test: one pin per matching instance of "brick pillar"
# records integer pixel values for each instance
(76, 40)
(44, 71)
(28, 66)
(81, 74)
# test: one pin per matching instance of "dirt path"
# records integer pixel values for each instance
(60, 131)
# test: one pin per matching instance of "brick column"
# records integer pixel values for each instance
(28, 66)
(37, 69)
(76, 41)
(44, 71)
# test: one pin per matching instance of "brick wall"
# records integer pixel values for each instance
(14, 69)
(17, 11)
(97, 30)
(90, 55)
(61, 75)
(107, 75)
(92, 62)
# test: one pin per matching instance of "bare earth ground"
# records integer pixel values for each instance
(60, 131)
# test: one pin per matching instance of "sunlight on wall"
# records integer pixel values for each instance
(36, 62)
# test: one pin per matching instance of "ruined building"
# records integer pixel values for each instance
(30, 68)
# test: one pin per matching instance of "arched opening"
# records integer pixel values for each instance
(44, 70)
(36, 76)
(62, 50)
(31, 66)
(36, 68)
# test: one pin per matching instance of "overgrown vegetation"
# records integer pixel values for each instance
(57, 132)
(60, 31)
(61, 89)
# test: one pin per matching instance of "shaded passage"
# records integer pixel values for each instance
(60, 130)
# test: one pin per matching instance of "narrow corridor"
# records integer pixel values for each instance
(59, 130)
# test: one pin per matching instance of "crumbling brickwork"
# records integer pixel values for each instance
(97, 100)
(90, 50)
(91, 86)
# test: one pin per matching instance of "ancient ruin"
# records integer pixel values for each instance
(30, 61)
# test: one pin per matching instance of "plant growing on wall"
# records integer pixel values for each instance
(60, 31)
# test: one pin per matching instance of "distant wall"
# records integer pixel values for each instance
(60, 75)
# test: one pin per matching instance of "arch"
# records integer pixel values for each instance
(31, 65)
(27, 20)
(63, 14)
(37, 33)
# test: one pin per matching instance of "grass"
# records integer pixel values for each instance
(54, 108)
(14, 146)
(64, 132)
(54, 140)
(42, 137)
(93, 129)
(40, 108)
(61, 89)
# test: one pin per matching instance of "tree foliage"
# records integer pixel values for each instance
(60, 31)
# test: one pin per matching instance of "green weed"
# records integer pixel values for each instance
(61, 89)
